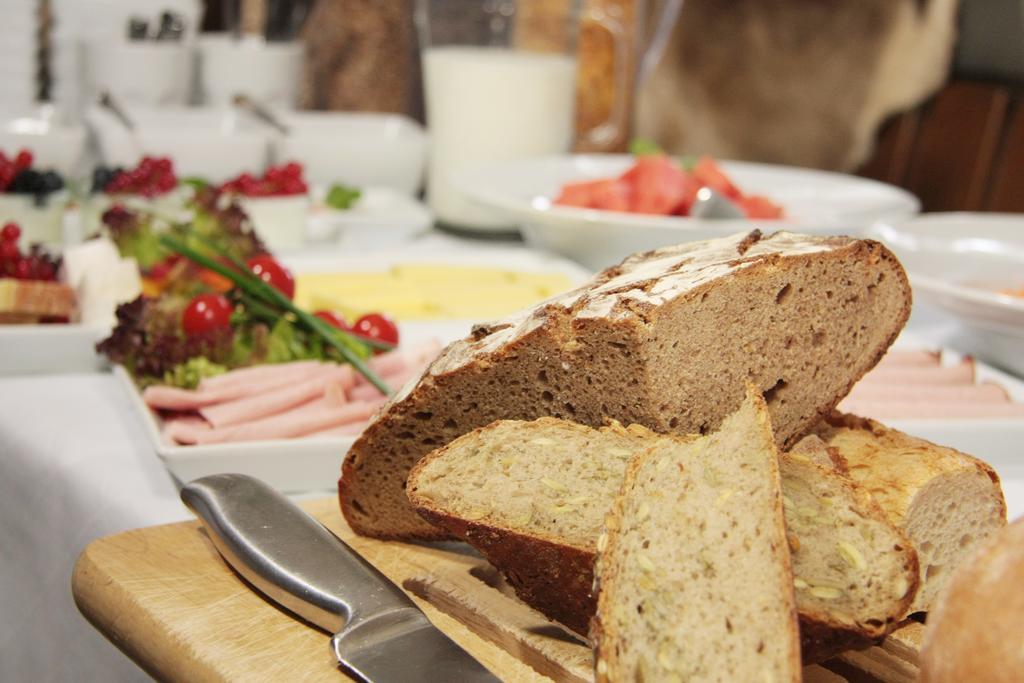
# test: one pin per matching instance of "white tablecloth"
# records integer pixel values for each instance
(75, 465)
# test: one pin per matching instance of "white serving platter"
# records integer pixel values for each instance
(816, 202)
(297, 465)
(959, 262)
(49, 349)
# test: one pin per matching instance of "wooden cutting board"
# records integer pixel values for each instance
(165, 597)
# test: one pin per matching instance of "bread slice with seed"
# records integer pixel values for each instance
(666, 339)
(532, 497)
(693, 570)
(945, 501)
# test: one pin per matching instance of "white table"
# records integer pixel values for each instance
(75, 465)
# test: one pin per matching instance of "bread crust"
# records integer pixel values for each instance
(894, 468)
(606, 658)
(975, 626)
(556, 578)
(376, 467)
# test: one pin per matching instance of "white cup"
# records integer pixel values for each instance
(266, 72)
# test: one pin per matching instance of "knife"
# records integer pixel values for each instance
(380, 635)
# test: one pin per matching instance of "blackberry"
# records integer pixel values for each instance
(38, 183)
(101, 177)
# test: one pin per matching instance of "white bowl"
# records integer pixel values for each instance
(383, 150)
(815, 202)
(959, 262)
(43, 223)
(279, 221)
(54, 145)
(139, 72)
(381, 217)
(211, 143)
(268, 72)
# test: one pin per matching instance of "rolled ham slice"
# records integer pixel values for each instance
(173, 398)
(307, 418)
(262, 404)
(968, 393)
(256, 373)
(354, 429)
(185, 430)
(907, 410)
(366, 392)
(403, 361)
(911, 358)
(952, 374)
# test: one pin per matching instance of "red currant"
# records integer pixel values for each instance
(10, 233)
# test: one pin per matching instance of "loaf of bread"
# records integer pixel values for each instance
(977, 620)
(945, 501)
(666, 339)
(532, 497)
(693, 574)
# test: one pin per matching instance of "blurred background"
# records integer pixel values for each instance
(924, 94)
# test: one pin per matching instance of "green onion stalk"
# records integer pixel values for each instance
(267, 299)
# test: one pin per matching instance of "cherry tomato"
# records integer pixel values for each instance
(266, 268)
(206, 313)
(332, 318)
(378, 327)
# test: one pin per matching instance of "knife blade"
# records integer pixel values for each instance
(380, 635)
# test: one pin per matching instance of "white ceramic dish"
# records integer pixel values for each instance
(814, 201)
(381, 150)
(54, 145)
(381, 217)
(269, 72)
(290, 465)
(49, 349)
(959, 262)
(314, 464)
(39, 223)
(281, 222)
(211, 143)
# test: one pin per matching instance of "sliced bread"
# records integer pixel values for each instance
(945, 501)
(666, 339)
(532, 497)
(693, 574)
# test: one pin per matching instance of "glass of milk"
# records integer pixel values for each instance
(500, 84)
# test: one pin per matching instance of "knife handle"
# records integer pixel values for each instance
(288, 555)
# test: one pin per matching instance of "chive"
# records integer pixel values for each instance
(266, 294)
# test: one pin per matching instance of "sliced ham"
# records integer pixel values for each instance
(906, 410)
(962, 373)
(973, 393)
(396, 362)
(173, 398)
(911, 358)
(262, 404)
(354, 429)
(256, 373)
(366, 392)
(185, 429)
(307, 418)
